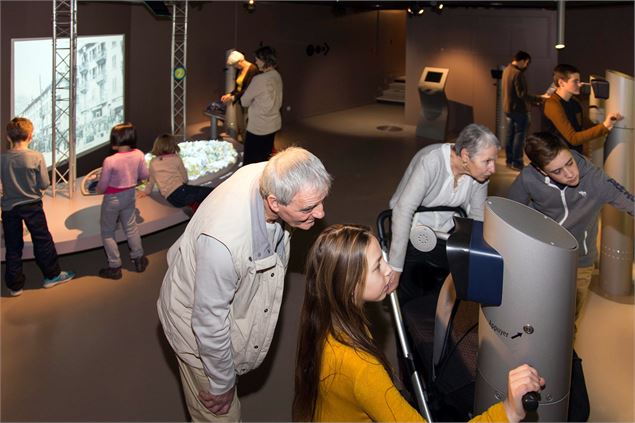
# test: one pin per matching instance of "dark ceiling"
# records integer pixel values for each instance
(501, 4)
(160, 8)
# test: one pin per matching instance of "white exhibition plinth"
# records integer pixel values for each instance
(74, 222)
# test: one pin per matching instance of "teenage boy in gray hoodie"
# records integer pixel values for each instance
(563, 185)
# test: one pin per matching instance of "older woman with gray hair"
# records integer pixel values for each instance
(453, 175)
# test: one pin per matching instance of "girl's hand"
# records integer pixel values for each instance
(521, 380)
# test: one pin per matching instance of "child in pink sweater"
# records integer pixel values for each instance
(120, 174)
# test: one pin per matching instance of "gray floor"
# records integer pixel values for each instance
(92, 350)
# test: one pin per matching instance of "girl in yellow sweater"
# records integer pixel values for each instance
(341, 374)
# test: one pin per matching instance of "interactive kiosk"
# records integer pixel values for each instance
(534, 322)
(520, 267)
(434, 104)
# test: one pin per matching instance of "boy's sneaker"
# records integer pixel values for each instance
(110, 272)
(15, 293)
(63, 277)
(140, 263)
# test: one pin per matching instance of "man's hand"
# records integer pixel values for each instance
(520, 380)
(226, 98)
(217, 404)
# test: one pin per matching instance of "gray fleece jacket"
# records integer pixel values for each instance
(575, 208)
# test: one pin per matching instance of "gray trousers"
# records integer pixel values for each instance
(119, 207)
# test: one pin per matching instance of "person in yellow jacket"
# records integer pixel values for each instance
(341, 374)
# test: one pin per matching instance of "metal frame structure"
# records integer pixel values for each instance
(179, 59)
(63, 96)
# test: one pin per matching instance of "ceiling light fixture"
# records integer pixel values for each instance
(415, 9)
(560, 40)
(437, 7)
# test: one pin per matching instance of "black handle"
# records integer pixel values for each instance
(530, 401)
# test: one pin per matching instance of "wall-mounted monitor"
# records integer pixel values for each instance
(99, 89)
(433, 79)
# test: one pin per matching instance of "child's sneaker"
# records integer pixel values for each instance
(110, 272)
(15, 293)
(63, 277)
(140, 263)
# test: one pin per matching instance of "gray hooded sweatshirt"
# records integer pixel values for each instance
(575, 208)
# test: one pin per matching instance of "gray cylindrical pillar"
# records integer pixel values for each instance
(534, 323)
(616, 257)
(230, 126)
(596, 115)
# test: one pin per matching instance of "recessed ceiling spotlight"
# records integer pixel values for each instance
(415, 9)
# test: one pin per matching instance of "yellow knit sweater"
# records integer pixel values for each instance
(355, 387)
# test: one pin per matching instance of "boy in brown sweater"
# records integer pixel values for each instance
(565, 114)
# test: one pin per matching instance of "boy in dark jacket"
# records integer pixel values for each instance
(563, 185)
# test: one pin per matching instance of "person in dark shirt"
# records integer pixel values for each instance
(515, 106)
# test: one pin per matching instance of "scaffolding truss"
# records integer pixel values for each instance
(179, 60)
(63, 96)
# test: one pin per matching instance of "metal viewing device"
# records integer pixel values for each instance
(616, 255)
(534, 322)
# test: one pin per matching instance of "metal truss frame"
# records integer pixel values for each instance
(179, 60)
(63, 88)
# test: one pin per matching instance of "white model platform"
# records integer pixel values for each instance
(74, 223)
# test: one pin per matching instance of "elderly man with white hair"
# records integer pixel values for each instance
(221, 295)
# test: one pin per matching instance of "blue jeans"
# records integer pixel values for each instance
(114, 208)
(43, 246)
(515, 141)
(188, 194)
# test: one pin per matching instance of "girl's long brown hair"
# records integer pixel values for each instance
(335, 277)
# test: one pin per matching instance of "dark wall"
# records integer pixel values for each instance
(471, 42)
(366, 48)
(598, 39)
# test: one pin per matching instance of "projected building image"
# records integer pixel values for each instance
(99, 94)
